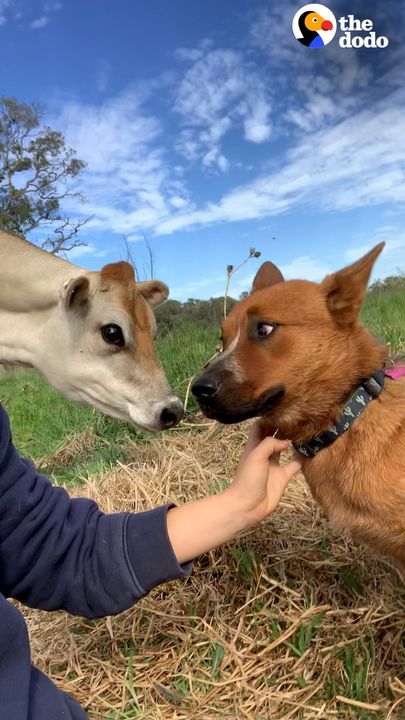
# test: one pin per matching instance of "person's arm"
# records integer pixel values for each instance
(62, 553)
(259, 484)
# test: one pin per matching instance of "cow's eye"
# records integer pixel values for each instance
(264, 329)
(113, 335)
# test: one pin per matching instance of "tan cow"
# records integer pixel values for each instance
(89, 333)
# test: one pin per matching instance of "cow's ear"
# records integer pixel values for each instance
(154, 292)
(75, 293)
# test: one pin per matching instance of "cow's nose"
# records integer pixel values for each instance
(171, 414)
(204, 387)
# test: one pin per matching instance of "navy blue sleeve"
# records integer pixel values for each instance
(62, 553)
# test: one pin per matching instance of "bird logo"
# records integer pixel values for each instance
(314, 25)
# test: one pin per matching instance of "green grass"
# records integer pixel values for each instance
(183, 353)
(40, 416)
(305, 633)
(384, 315)
(355, 660)
(43, 420)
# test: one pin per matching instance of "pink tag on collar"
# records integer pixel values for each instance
(396, 372)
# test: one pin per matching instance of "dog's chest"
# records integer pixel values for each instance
(325, 484)
(342, 486)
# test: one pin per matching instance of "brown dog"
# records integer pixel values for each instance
(294, 353)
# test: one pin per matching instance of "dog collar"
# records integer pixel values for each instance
(354, 406)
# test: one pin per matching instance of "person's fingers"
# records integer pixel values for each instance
(293, 467)
(274, 459)
(277, 483)
(267, 447)
(252, 441)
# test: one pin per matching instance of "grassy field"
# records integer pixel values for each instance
(384, 314)
(97, 441)
(292, 621)
(74, 442)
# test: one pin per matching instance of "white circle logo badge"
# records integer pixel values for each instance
(314, 25)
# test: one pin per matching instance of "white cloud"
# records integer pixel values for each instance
(177, 201)
(49, 7)
(392, 259)
(126, 182)
(40, 22)
(4, 5)
(300, 268)
(106, 135)
(219, 92)
(305, 268)
(190, 289)
(189, 54)
(129, 185)
(103, 74)
(81, 250)
(319, 88)
(17, 10)
(257, 126)
(359, 161)
(342, 152)
(52, 6)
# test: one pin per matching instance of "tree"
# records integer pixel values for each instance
(35, 169)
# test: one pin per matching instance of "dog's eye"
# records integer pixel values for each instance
(113, 335)
(264, 329)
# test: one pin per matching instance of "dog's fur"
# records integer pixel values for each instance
(297, 380)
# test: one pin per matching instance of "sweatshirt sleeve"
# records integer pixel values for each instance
(62, 553)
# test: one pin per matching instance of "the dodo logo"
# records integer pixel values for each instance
(314, 25)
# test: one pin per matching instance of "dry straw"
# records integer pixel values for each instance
(290, 621)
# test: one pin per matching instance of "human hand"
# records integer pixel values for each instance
(260, 481)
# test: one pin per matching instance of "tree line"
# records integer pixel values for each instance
(207, 313)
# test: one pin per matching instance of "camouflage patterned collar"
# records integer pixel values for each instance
(354, 406)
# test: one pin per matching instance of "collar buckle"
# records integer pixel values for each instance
(374, 384)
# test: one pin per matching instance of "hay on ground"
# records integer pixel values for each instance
(289, 621)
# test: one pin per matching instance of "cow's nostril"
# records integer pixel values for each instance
(171, 415)
(204, 387)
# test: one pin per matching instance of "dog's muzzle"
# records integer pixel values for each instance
(219, 403)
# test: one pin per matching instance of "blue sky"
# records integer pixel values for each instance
(207, 127)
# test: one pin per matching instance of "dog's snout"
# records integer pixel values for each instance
(204, 387)
(171, 414)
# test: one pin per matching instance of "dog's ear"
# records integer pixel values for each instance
(345, 289)
(266, 276)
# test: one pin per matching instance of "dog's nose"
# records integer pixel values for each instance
(171, 414)
(204, 387)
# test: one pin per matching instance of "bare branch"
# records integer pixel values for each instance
(151, 257)
(231, 270)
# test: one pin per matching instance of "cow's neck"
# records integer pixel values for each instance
(30, 284)
(30, 278)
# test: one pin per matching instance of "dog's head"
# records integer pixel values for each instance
(291, 348)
